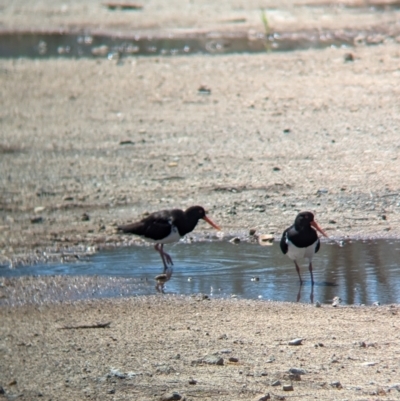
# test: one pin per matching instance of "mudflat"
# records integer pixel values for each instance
(87, 144)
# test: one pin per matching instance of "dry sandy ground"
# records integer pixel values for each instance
(200, 349)
(279, 133)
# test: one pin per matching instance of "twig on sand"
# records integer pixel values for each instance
(86, 326)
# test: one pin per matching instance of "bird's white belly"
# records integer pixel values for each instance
(295, 253)
(172, 237)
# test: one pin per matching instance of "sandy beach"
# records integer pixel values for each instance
(90, 143)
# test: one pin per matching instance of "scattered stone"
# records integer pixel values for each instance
(233, 359)
(276, 169)
(36, 220)
(348, 57)
(2, 390)
(296, 341)
(287, 387)
(331, 221)
(165, 369)
(376, 303)
(235, 240)
(271, 359)
(111, 391)
(337, 385)
(226, 351)
(204, 90)
(126, 142)
(211, 359)
(192, 382)
(252, 231)
(171, 397)
(362, 344)
(296, 371)
(85, 217)
(255, 278)
(317, 304)
(122, 5)
(369, 363)
(263, 398)
(336, 301)
(276, 383)
(39, 209)
(266, 239)
(68, 198)
(287, 131)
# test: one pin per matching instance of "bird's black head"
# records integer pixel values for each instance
(304, 219)
(195, 213)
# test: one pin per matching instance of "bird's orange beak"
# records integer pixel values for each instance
(211, 223)
(318, 228)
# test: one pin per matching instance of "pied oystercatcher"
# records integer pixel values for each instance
(167, 226)
(301, 240)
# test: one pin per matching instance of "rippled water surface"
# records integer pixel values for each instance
(360, 272)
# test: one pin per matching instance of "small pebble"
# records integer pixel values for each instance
(171, 397)
(287, 387)
(192, 382)
(296, 371)
(276, 383)
(85, 217)
(348, 57)
(263, 398)
(235, 240)
(296, 341)
(37, 220)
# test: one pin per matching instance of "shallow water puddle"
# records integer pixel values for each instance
(360, 272)
(114, 46)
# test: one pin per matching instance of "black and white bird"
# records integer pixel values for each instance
(301, 240)
(166, 227)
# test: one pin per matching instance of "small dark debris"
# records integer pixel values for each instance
(111, 391)
(332, 221)
(204, 90)
(127, 142)
(264, 397)
(85, 217)
(287, 131)
(68, 198)
(36, 220)
(252, 231)
(384, 217)
(233, 359)
(287, 387)
(348, 57)
(337, 385)
(276, 169)
(171, 397)
(2, 390)
(122, 6)
(192, 382)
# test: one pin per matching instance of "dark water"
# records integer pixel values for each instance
(360, 272)
(115, 46)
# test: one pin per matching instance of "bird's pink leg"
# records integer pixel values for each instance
(166, 259)
(311, 273)
(298, 271)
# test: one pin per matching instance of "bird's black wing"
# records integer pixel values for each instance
(156, 226)
(283, 244)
